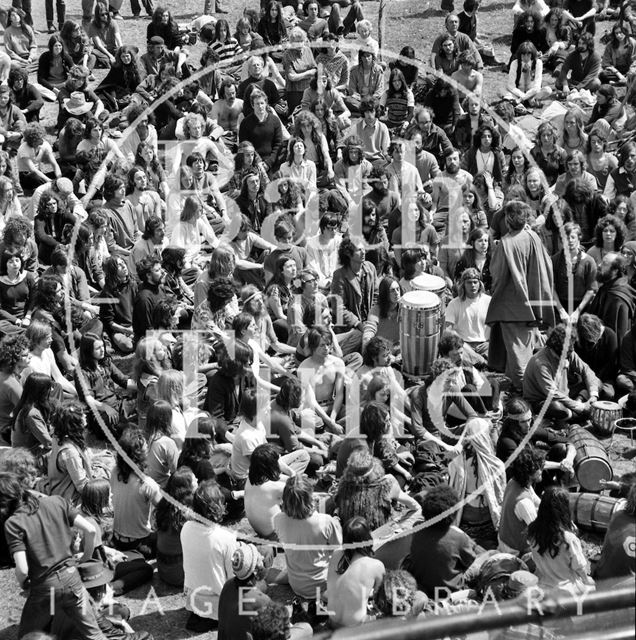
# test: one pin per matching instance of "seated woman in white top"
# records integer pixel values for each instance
(525, 75)
(192, 231)
(296, 165)
(42, 359)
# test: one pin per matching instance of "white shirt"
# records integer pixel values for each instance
(246, 439)
(469, 318)
(207, 565)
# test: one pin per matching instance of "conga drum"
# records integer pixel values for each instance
(604, 416)
(419, 331)
(593, 512)
(437, 285)
(591, 463)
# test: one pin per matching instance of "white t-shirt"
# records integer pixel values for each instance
(469, 318)
(246, 439)
(207, 565)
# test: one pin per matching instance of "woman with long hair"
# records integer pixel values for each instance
(550, 157)
(32, 415)
(19, 39)
(116, 317)
(40, 335)
(144, 202)
(473, 207)
(365, 489)
(77, 45)
(171, 388)
(271, 26)
(135, 496)
(618, 57)
(561, 565)
(54, 65)
(517, 168)
(622, 181)
(192, 231)
(308, 128)
(476, 256)
(608, 110)
(69, 467)
(354, 575)
(538, 197)
(130, 571)
(279, 295)
(163, 452)
(609, 235)
(224, 44)
(99, 383)
(573, 136)
(600, 163)
(122, 79)
(251, 200)
(525, 76)
(146, 157)
(170, 518)
(150, 361)
(17, 289)
(623, 209)
(478, 467)
(559, 37)
(398, 101)
(105, 35)
(245, 160)
(376, 241)
(10, 206)
(485, 155)
(70, 135)
(165, 26)
(528, 28)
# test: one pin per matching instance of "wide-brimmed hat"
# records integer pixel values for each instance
(77, 104)
(95, 574)
(519, 582)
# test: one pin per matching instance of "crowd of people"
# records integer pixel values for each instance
(201, 319)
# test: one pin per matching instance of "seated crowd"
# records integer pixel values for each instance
(204, 309)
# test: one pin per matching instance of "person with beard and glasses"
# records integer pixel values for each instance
(356, 284)
(584, 65)
(522, 299)
(446, 187)
(151, 275)
(556, 375)
(615, 300)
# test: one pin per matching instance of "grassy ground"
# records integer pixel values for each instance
(407, 22)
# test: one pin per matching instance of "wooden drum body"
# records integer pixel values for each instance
(604, 416)
(593, 512)
(591, 463)
(419, 331)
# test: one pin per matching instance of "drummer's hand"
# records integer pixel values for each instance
(566, 465)
(580, 407)
(563, 314)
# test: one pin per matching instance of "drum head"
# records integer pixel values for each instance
(606, 405)
(427, 282)
(419, 300)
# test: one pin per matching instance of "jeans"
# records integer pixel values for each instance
(61, 12)
(69, 596)
(136, 8)
(25, 5)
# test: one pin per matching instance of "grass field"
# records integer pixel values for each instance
(411, 22)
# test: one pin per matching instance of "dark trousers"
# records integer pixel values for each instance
(136, 8)
(25, 5)
(61, 12)
(69, 596)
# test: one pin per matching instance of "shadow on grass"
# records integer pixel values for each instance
(497, 6)
(506, 39)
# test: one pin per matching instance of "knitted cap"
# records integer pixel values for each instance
(245, 560)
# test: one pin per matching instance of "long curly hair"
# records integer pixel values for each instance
(553, 520)
(180, 487)
(133, 444)
(69, 423)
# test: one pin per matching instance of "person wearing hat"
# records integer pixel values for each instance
(241, 596)
(77, 82)
(156, 54)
